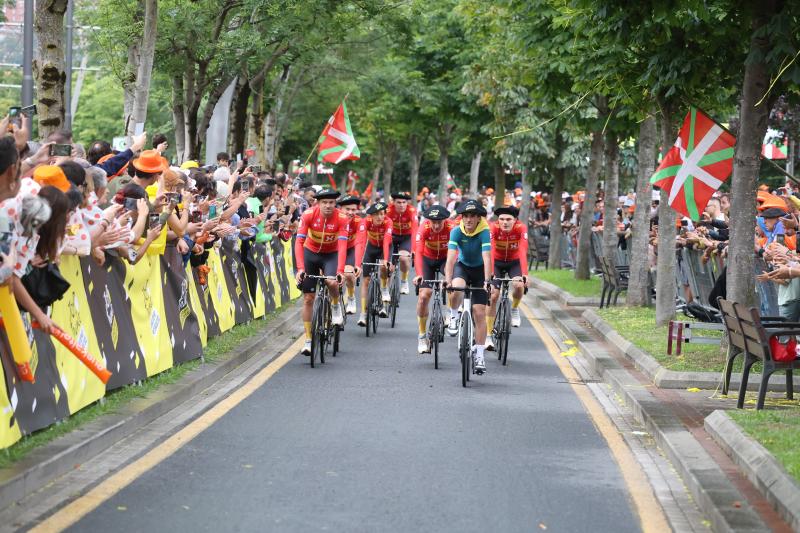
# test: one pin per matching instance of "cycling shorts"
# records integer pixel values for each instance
(474, 277)
(372, 254)
(351, 257)
(318, 265)
(401, 242)
(506, 269)
(430, 267)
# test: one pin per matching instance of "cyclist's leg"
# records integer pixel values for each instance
(479, 300)
(349, 274)
(404, 245)
(308, 286)
(329, 266)
(429, 267)
(500, 270)
(459, 282)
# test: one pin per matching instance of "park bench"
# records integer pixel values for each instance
(615, 280)
(748, 334)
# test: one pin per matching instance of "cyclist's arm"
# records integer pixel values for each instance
(523, 253)
(419, 244)
(361, 239)
(449, 267)
(299, 244)
(486, 252)
(341, 245)
(387, 243)
(414, 222)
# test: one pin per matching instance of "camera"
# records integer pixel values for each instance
(60, 150)
(153, 220)
(197, 216)
(29, 110)
(173, 197)
(255, 168)
(130, 204)
(245, 185)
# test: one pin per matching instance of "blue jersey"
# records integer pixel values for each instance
(471, 246)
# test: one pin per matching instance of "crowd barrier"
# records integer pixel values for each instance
(139, 320)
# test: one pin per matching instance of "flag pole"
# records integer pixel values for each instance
(780, 169)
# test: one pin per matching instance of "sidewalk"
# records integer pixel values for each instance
(675, 418)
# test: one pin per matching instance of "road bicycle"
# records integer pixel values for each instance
(374, 302)
(323, 331)
(466, 334)
(435, 332)
(502, 321)
(394, 288)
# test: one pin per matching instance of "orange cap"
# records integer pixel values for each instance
(51, 175)
(150, 161)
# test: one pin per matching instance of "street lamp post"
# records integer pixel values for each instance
(68, 67)
(27, 54)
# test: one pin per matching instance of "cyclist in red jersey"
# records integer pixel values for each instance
(355, 249)
(375, 234)
(430, 256)
(510, 259)
(321, 249)
(404, 228)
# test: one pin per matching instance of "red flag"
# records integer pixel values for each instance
(337, 142)
(699, 162)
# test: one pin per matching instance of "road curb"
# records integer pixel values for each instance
(661, 376)
(67, 452)
(561, 295)
(758, 464)
(724, 506)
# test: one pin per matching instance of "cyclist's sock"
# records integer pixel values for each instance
(307, 325)
(453, 313)
(404, 276)
(334, 301)
(479, 349)
(489, 323)
(363, 304)
(423, 324)
(351, 292)
(515, 302)
(384, 282)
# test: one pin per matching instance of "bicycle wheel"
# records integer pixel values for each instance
(464, 349)
(316, 326)
(506, 332)
(336, 331)
(395, 297)
(326, 320)
(497, 332)
(434, 325)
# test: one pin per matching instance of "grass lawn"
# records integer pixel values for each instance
(638, 325)
(565, 279)
(777, 430)
(114, 400)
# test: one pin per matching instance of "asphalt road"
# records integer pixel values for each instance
(377, 440)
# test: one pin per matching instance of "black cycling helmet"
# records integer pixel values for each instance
(377, 207)
(507, 210)
(436, 212)
(349, 199)
(471, 207)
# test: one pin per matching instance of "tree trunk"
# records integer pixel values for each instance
(376, 175)
(499, 184)
(388, 158)
(208, 111)
(179, 118)
(474, 172)
(144, 69)
(610, 238)
(666, 285)
(640, 227)
(416, 148)
(747, 161)
(444, 139)
(585, 230)
(554, 250)
(271, 126)
(129, 76)
(239, 119)
(255, 128)
(48, 65)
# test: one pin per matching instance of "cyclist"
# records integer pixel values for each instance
(430, 256)
(321, 249)
(376, 232)
(404, 228)
(469, 263)
(355, 249)
(510, 258)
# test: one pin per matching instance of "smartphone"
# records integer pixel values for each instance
(5, 242)
(255, 168)
(212, 211)
(60, 150)
(13, 111)
(153, 220)
(197, 216)
(238, 157)
(138, 129)
(173, 197)
(131, 204)
(286, 210)
(29, 110)
(245, 185)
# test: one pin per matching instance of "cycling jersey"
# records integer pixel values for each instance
(375, 236)
(510, 245)
(322, 236)
(430, 244)
(471, 245)
(352, 231)
(404, 223)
